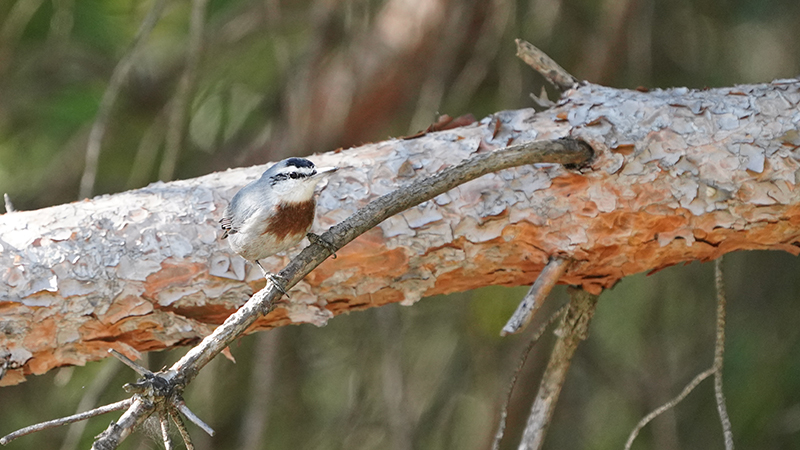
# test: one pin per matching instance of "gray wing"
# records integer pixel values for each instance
(243, 205)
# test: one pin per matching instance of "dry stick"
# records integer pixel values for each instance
(181, 406)
(719, 354)
(501, 428)
(716, 370)
(545, 65)
(176, 418)
(66, 420)
(129, 362)
(163, 420)
(533, 300)
(573, 329)
(109, 97)
(655, 413)
(179, 103)
(559, 151)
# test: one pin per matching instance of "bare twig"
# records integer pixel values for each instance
(719, 354)
(187, 439)
(163, 420)
(536, 336)
(533, 300)
(118, 76)
(716, 370)
(129, 362)
(573, 329)
(181, 406)
(545, 65)
(7, 201)
(66, 420)
(179, 103)
(658, 411)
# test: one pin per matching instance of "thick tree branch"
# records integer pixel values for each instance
(680, 175)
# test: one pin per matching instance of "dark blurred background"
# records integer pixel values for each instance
(99, 96)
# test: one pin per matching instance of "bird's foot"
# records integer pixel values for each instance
(278, 281)
(317, 239)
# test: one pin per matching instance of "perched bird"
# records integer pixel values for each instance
(274, 212)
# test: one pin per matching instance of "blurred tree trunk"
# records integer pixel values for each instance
(679, 175)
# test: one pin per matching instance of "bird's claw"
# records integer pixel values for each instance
(276, 280)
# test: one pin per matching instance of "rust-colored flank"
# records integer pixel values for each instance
(291, 219)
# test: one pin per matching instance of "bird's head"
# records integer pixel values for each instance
(294, 179)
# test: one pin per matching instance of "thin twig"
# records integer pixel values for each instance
(187, 439)
(533, 300)
(129, 362)
(658, 411)
(716, 370)
(118, 76)
(66, 420)
(7, 201)
(501, 428)
(719, 354)
(179, 103)
(163, 420)
(181, 406)
(545, 65)
(573, 329)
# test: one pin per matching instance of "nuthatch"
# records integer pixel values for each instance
(274, 212)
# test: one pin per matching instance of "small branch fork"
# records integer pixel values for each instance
(716, 370)
(160, 392)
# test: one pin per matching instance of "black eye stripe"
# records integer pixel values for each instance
(293, 175)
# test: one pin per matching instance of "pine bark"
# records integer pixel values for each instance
(679, 175)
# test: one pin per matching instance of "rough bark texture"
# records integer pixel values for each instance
(680, 175)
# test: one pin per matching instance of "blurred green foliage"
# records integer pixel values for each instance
(288, 78)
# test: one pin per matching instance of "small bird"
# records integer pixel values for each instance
(274, 212)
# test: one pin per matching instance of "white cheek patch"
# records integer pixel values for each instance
(296, 191)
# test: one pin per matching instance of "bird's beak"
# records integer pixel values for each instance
(325, 171)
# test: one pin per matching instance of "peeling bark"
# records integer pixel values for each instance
(680, 175)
